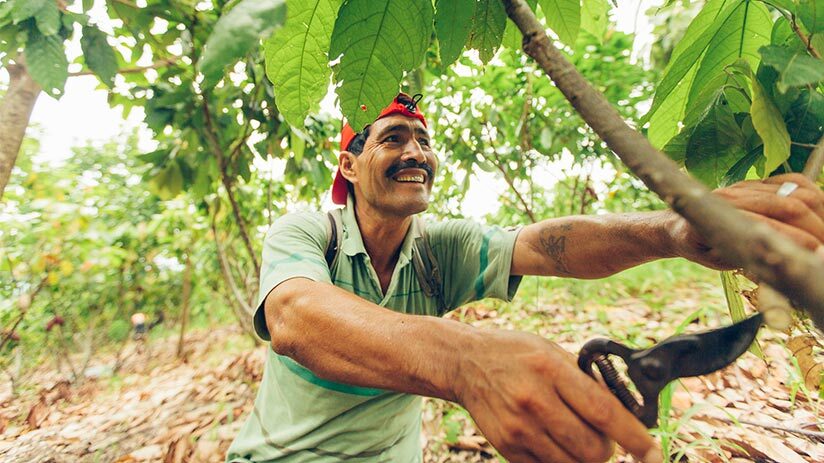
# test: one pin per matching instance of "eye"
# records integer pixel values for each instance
(423, 141)
(391, 139)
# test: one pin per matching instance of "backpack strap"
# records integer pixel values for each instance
(427, 269)
(333, 245)
(423, 259)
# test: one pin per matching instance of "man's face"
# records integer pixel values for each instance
(395, 171)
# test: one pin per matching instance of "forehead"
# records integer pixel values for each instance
(398, 122)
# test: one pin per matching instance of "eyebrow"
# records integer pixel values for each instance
(401, 128)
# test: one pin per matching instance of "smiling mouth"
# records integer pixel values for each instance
(418, 178)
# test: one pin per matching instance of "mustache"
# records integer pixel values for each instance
(409, 164)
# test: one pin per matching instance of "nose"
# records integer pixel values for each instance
(412, 150)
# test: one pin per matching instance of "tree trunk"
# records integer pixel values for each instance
(773, 259)
(184, 318)
(15, 111)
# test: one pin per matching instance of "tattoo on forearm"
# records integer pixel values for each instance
(553, 242)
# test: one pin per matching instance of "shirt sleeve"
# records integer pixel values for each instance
(294, 248)
(475, 261)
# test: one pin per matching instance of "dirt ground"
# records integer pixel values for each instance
(161, 409)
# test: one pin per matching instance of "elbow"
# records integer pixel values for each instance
(283, 308)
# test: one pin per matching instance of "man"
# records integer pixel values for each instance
(355, 346)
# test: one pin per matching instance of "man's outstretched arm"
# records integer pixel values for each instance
(600, 245)
(525, 393)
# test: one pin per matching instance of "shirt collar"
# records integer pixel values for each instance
(352, 243)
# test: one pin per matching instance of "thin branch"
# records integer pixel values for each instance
(227, 276)
(816, 161)
(23, 313)
(741, 241)
(133, 70)
(508, 180)
(214, 144)
(804, 38)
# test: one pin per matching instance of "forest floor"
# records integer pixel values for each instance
(160, 408)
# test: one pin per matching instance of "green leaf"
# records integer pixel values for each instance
(87, 5)
(379, 40)
(564, 18)
(715, 144)
(99, 55)
(811, 13)
(168, 182)
(237, 32)
(663, 124)
(680, 71)
(47, 62)
(488, 24)
(48, 18)
(595, 18)
(453, 23)
(744, 31)
(296, 58)
(25, 9)
(795, 69)
(770, 126)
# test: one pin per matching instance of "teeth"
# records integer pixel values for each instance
(410, 178)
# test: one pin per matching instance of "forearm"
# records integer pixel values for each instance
(344, 338)
(593, 246)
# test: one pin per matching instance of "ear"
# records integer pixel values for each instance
(346, 165)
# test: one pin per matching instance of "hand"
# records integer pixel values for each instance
(798, 216)
(534, 404)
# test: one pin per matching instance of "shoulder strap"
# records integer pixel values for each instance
(333, 244)
(426, 268)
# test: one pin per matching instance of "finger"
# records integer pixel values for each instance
(799, 236)
(570, 432)
(547, 450)
(794, 177)
(602, 410)
(785, 209)
(812, 197)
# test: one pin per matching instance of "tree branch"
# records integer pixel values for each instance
(508, 180)
(741, 241)
(804, 38)
(214, 144)
(816, 161)
(227, 276)
(134, 70)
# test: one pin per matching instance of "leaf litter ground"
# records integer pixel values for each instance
(159, 408)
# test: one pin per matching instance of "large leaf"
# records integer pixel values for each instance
(564, 18)
(168, 181)
(663, 125)
(378, 41)
(25, 9)
(744, 31)
(453, 23)
(238, 32)
(811, 13)
(687, 53)
(488, 24)
(770, 126)
(595, 18)
(795, 69)
(48, 18)
(715, 144)
(47, 62)
(99, 55)
(296, 59)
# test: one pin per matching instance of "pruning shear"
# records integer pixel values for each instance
(676, 357)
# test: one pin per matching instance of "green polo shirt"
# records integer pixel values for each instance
(298, 417)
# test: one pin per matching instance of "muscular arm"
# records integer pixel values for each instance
(592, 246)
(342, 337)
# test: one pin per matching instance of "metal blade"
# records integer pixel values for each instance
(702, 353)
